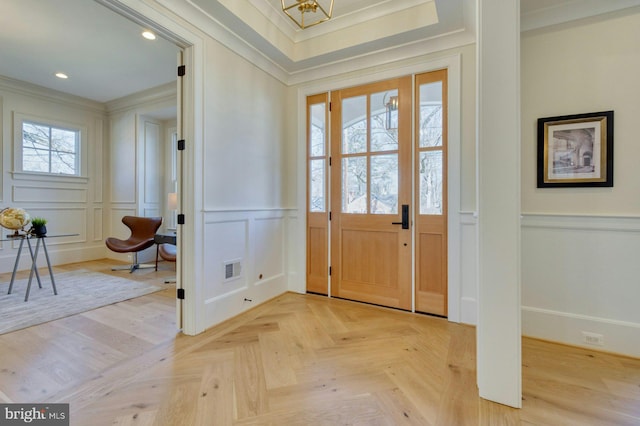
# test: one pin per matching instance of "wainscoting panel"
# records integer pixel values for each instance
(580, 274)
(256, 240)
(269, 248)
(97, 224)
(61, 221)
(48, 194)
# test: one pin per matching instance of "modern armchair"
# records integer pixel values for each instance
(142, 231)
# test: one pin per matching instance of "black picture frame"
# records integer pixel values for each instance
(576, 150)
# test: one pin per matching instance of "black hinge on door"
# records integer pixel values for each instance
(329, 215)
(329, 270)
(329, 106)
(329, 161)
(180, 293)
(182, 70)
(181, 144)
(181, 219)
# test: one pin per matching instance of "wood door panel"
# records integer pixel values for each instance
(431, 286)
(317, 265)
(370, 257)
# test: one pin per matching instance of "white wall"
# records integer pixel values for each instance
(247, 214)
(136, 165)
(580, 246)
(72, 205)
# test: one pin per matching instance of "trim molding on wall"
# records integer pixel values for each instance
(581, 222)
(588, 282)
(257, 239)
(620, 337)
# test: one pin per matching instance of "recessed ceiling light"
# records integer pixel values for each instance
(62, 75)
(149, 35)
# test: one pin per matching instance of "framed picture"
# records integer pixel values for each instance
(575, 150)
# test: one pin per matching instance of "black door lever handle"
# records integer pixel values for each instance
(405, 217)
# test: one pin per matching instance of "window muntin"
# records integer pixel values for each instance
(50, 149)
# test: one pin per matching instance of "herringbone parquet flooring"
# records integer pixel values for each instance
(299, 360)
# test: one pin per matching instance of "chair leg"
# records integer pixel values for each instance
(134, 265)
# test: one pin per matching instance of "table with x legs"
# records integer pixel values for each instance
(40, 241)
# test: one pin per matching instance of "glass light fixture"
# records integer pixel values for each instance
(307, 13)
(391, 115)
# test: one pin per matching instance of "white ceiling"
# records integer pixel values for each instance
(107, 59)
(103, 53)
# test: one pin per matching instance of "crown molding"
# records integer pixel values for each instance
(167, 93)
(571, 11)
(33, 90)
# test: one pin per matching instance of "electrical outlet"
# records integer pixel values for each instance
(593, 338)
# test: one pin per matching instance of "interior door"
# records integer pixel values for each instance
(371, 177)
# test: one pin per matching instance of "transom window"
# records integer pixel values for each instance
(50, 149)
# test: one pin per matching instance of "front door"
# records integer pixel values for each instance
(371, 177)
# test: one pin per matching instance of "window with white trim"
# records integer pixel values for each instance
(50, 149)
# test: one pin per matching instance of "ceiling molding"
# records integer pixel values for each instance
(148, 98)
(383, 58)
(220, 23)
(540, 17)
(35, 91)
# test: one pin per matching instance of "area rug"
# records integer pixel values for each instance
(78, 291)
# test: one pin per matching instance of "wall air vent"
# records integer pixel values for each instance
(232, 270)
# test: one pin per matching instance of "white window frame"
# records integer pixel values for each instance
(81, 150)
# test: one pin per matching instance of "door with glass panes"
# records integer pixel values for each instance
(371, 193)
(368, 200)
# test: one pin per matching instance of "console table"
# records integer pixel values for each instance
(40, 241)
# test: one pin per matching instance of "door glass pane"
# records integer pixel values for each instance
(431, 182)
(384, 121)
(318, 127)
(317, 190)
(354, 125)
(354, 185)
(384, 184)
(431, 114)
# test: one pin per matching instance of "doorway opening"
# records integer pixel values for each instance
(376, 184)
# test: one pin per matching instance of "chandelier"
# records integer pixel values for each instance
(307, 13)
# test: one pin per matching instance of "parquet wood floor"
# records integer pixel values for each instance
(297, 360)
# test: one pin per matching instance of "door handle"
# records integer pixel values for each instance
(405, 217)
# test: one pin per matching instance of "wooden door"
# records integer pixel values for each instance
(431, 192)
(317, 199)
(370, 184)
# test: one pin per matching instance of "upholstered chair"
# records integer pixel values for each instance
(142, 230)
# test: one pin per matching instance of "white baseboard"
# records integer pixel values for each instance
(618, 336)
(225, 306)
